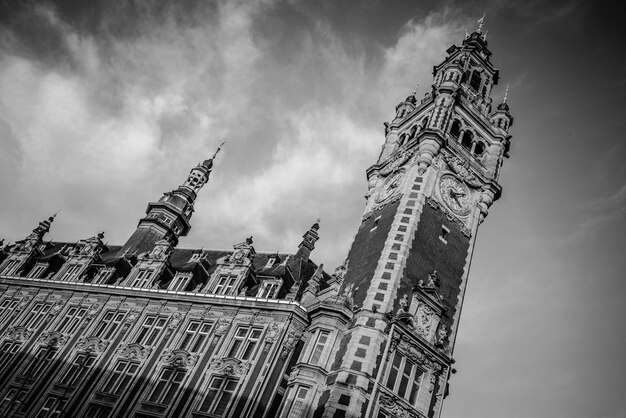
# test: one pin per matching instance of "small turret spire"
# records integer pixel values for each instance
(481, 22)
(506, 94)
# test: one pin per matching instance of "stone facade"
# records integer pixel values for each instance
(147, 329)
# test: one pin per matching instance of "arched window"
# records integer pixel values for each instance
(455, 130)
(475, 80)
(467, 140)
(479, 149)
(424, 124)
(413, 131)
(401, 140)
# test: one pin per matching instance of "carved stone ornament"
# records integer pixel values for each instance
(394, 405)
(161, 251)
(461, 168)
(411, 352)
(18, 333)
(179, 358)
(58, 305)
(53, 338)
(134, 351)
(290, 342)
(92, 344)
(23, 302)
(175, 320)
(425, 318)
(220, 329)
(230, 366)
(398, 162)
(273, 331)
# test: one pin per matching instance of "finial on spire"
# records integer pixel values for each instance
(506, 94)
(485, 35)
(481, 22)
(466, 34)
(218, 149)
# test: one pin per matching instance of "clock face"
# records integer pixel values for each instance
(391, 186)
(455, 194)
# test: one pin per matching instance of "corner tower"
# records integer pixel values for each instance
(169, 217)
(431, 188)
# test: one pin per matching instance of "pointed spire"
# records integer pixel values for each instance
(506, 94)
(308, 243)
(481, 22)
(466, 34)
(417, 86)
(209, 163)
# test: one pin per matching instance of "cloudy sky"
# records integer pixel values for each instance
(106, 105)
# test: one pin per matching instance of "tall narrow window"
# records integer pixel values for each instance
(6, 309)
(37, 314)
(12, 401)
(220, 392)
(109, 324)
(225, 285)
(318, 349)
(475, 80)
(300, 405)
(245, 342)
(467, 139)
(455, 129)
(40, 361)
(78, 370)
(52, 407)
(167, 386)
(72, 318)
(142, 278)
(8, 349)
(123, 373)
(404, 378)
(196, 336)
(98, 411)
(150, 330)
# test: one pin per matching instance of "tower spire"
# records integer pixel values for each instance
(506, 94)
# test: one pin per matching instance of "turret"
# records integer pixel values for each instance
(169, 217)
(308, 243)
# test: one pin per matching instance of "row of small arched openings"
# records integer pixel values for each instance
(467, 138)
(414, 130)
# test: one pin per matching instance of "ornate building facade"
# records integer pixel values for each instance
(147, 329)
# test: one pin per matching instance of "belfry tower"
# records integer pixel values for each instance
(407, 270)
(169, 217)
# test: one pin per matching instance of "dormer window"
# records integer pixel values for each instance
(180, 281)
(103, 275)
(10, 267)
(270, 262)
(195, 258)
(142, 278)
(72, 272)
(269, 288)
(39, 269)
(225, 285)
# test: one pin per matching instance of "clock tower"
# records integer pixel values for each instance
(407, 270)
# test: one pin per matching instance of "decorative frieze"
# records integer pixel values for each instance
(18, 333)
(133, 351)
(92, 344)
(53, 338)
(230, 366)
(179, 358)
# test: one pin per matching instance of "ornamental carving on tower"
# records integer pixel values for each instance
(291, 340)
